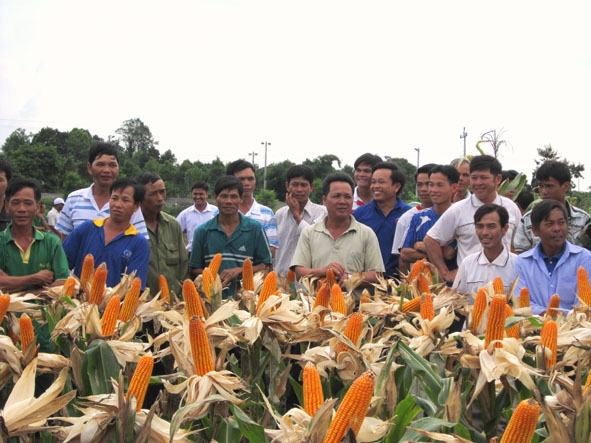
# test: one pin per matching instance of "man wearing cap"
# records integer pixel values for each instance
(54, 213)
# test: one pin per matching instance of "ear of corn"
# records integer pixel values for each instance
(549, 340)
(200, 347)
(99, 281)
(109, 318)
(553, 306)
(269, 288)
(87, 271)
(480, 304)
(247, 275)
(138, 385)
(214, 264)
(131, 300)
(423, 284)
(27, 331)
(4, 303)
(193, 305)
(69, 286)
(337, 299)
(498, 285)
(312, 388)
(330, 278)
(583, 286)
(352, 331)
(352, 409)
(290, 276)
(522, 424)
(365, 297)
(524, 300)
(413, 305)
(207, 281)
(495, 325)
(513, 331)
(416, 269)
(164, 289)
(322, 296)
(427, 310)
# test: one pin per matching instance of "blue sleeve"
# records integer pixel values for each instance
(140, 259)
(410, 239)
(197, 259)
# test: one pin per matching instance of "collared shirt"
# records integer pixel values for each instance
(81, 206)
(357, 249)
(125, 253)
(288, 232)
(458, 222)
(266, 217)
(191, 218)
(402, 228)
(542, 284)
(476, 271)
(4, 217)
(525, 238)
(357, 202)
(52, 216)
(168, 256)
(384, 226)
(45, 252)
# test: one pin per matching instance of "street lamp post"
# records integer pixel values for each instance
(463, 135)
(252, 154)
(418, 156)
(265, 170)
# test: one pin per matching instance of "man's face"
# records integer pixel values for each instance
(155, 197)
(552, 230)
(59, 207)
(489, 231)
(228, 201)
(199, 198)
(22, 207)
(104, 170)
(484, 185)
(440, 189)
(121, 205)
(300, 189)
(339, 200)
(551, 189)
(249, 181)
(423, 189)
(3, 184)
(464, 181)
(363, 175)
(382, 188)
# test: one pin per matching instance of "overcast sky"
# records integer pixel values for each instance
(217, 78)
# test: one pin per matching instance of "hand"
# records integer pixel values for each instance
(340, 273)
(227, 275)
(43, 278)
(294, 207)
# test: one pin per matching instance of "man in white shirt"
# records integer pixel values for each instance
(54, 213)
(197, 214)
(363, 171)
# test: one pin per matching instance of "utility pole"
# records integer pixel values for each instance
(463, 135)
(418, 156)
(265, 170)
(252, 154)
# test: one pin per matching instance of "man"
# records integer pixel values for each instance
(443, 184)
(422, 190)
(197, 214)
(363, 170)
(168, 256)
(54, 213)
(494, 259)
(298, 213)
(113, 240)
(462, 164)
(383, 212)
(30, 260)
(93, 202)
(232, 234)
(458, 221)
(245, 172)
(5, 176)
(338, 242)
(553, 183)
(551, 266)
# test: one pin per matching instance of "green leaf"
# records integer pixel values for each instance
(430, 380)
(511, 321)
(251, 429)
(426, 424)
(405, 412)
(99, 366)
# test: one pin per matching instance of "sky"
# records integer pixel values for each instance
(218, 78)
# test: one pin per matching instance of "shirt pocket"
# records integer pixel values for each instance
(172, 255)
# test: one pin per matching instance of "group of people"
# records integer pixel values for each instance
(462, 225)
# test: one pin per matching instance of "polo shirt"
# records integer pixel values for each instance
(45, 252)
(126, 253)
(357, 202)
(288, 232)
(247, 241)
(357, 249)
(191, 218)
(81, 206)
(402, 228)
(266, 217)
(384, 227)
(476, 271)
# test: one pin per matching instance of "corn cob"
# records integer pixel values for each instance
(413, 305)
(427, 311)
(366, 298)
(214, 264)
(417, 268)
(522, 424)
(247, 275)
(423, 284)
(352, 331)
(269, 288)
(207, 280)
(97, 289)
(480, 303)
(4, 303)
(131, 300)
(495, 325)
(87, 271)
(513, 331)
(322, 296)
(330, 278)
(583, 286)
(524, 301)
(200, 347)
(352, 409)
(27, 331)
(553, 306)
(109, 319)
(192, 300)
(428, 274)
(498, 286)
(138, 385)
(69, 286)
(337, 300)
(312, 388)
(549, 340)
(290, 276)
(164, 289)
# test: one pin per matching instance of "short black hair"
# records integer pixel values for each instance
(147, 177)
(239, 165)
(20, 183)
(524, 199)
(200, 184)
(368, 158)
(336, 177)
(300, 171)
(123, 183)
(508, 174)
(425, 169)
(452, 174)
(228, 182)
(541, 211)
(554, 169)
(486, 163)
(6, 168)
(489, 208)
(396, 174)
(102, 148)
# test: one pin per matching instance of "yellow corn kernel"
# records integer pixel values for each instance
(214, 264)
(312, 388)
(583, 286)
(553, 306)
(131, 300)
(109, 319)
(413, 305)
(423, 284)
(269, 288)
(322, 296)
(87, 272)
(337, 299)
(352, 331)
(192, 300)
(27, 331)
(247, 275)
(207, 281)
(522, 424)
(513, 331)
(495, 325)
(427, 310)
(330, 278)
(69, 286)
(417, 268)
(498, 286)
(164, 289)
(4, 303)
(99, 280)
(138, 385)
(480, 304)
(549, 340)
(200, 347)
(524, 299)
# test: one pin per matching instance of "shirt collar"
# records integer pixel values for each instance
(131, 230)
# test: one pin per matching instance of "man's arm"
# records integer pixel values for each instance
(17, 284)
(435, 254)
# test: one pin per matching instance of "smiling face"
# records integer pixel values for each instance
(552, 231)
(484, 185)
(122, 205)
(490, 232)
(440, 189)
(199, 196)
(363, 175)
(382, 188)
(104, 170)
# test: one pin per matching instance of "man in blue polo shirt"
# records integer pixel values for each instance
(383, 212)
(232, 234)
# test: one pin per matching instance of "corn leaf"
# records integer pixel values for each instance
(99, 366)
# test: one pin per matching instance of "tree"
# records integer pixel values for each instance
(77, 144)
(276, 177)
(323, 165)
(136, 137)
(52, 137)
(14, 141)
(38, 162)
(548, 153)
(408, 192)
